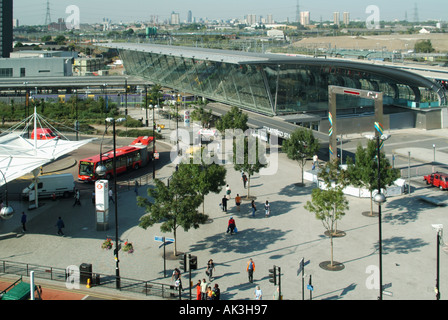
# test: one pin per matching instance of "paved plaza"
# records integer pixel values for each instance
(289, 234)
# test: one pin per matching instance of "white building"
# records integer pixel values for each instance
(304, 18)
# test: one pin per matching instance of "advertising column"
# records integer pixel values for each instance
(102, 205)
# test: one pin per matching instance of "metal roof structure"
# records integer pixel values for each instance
(274, 84)
(240, 57)
(20, 155)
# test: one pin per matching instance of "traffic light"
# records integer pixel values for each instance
(193, 262)
(273, 275)
(183, 262)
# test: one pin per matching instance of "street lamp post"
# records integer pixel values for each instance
(101, 170)
(177, 123)
(379, 199)
(153, 144)
(439, 229)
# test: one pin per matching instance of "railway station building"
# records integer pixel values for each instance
(294, 88)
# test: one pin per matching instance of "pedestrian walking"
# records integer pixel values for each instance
(111, 196)
(204, 286)
(60, 225)
(238, 201)
(136, 187)
(250, 270)
(228, 192)
(210, 269)
(224, 203)
(198, 290)
(23, 220)
(216, 292)
(231, 226)
(258, 293)
(244, 177)
(267, 208)
(254, 208)
(177, 278)
(77, 198)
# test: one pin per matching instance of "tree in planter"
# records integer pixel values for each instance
(301, 146)
(335, 178)
(364, 172)
(329, 206)
(207, 178)
(175, 205)
(250, 160)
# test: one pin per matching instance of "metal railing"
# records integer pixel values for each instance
(99, 280)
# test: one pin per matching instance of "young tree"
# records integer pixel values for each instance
(208, 178)
(329, 206)
(335, 178)
(301, 146)
(174, 205)
(364, 172)
(248, 156)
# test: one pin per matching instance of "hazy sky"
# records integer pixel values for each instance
(31, 12)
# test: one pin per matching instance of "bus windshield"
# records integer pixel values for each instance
(86, 168)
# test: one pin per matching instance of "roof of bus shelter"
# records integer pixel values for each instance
(20, 156)
(240, 57)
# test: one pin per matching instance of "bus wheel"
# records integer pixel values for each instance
(136, 167)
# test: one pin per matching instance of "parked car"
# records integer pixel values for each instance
(437, 179)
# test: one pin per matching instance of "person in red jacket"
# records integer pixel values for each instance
(198, 290)
(231, 225)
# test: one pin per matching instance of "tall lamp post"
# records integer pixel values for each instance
(379, 199)
(101, 170)
(439, 229)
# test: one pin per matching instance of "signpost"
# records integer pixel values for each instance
(301, 269)
(165, 242)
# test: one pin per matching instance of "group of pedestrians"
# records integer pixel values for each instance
(206, 291)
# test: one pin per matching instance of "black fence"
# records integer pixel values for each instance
(96, 279)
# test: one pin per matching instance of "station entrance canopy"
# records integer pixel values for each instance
(20, 155)
(274, 84)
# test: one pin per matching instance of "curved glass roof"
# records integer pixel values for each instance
(272, 84)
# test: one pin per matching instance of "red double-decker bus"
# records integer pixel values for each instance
(134, 156)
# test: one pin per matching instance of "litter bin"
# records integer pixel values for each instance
(85, 270)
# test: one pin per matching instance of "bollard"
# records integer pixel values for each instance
(88, 286)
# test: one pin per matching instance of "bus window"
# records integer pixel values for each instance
(86, 168)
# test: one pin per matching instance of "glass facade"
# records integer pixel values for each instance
(272, 86)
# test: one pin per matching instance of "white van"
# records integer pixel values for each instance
(62, 185)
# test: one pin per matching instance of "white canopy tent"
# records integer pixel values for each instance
(20, 155)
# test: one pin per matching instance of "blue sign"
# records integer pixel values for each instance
(310, 287)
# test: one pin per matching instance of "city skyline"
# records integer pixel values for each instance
(32, 12)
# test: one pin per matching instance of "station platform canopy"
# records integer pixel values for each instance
(20, 155)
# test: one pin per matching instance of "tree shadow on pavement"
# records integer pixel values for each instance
(295, 190)
(403, 210)
(245, 241)
(401, 245)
